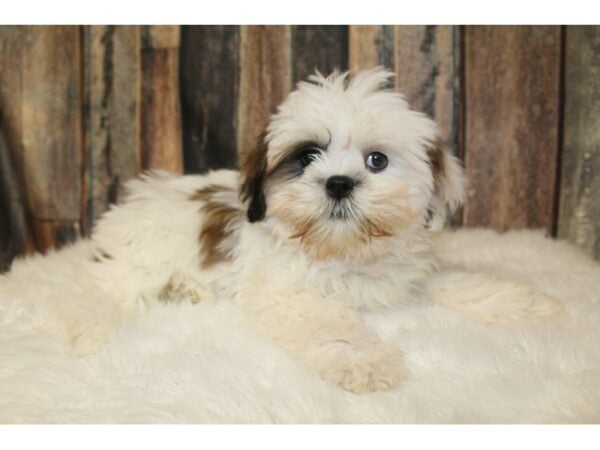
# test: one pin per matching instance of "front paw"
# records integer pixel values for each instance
(374, 370)
(180, 289)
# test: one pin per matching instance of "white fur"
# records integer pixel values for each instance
(202, 363)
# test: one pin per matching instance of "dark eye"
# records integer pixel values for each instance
(308, 155)
(376, 161)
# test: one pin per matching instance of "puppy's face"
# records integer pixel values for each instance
(344, 165)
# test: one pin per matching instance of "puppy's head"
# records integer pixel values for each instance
(344, 164)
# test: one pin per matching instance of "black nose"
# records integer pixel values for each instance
(339, 186)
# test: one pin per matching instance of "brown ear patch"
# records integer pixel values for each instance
(448, 185)
(435, 155)
(436, 160)
(218, 219)
(253, 173)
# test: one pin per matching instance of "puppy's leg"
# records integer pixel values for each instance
(358, 363)
(327, 336)
(491, 299)
(181, 288)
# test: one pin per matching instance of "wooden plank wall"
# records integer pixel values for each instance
(83, 109)
(579, 206)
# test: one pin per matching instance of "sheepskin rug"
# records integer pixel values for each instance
(184, 363)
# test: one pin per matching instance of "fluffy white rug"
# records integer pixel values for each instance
(199, 363)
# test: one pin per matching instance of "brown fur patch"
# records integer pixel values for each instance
(205, 194)
(253, 167)
(217, 217)
(253, 172)
(436, 159)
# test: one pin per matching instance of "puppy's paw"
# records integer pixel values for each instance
(367, 370)
(493, 300)
(180, 289)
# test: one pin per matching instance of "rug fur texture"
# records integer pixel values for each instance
(200, 363)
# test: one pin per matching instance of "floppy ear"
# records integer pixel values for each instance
(252, 171)
(448, 185)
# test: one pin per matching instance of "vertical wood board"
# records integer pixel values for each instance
(51, 122)
(318, 47)
(209, 77)
(512, 116)
(265, 79)
(579, 211)
(13, 228)
(370, 46)
(113, 90)
(161, 139)
(426, 63)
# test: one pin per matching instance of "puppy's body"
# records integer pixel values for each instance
(337, 205)
(311, 308)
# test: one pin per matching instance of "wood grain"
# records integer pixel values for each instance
(426, 63)
(12, 51)
(40, 101)
(13, 228)
(370, 46)
(11, 90)
(113, 94)
(512, 116)
(209, 77)
(318, 47)
(161, 139)
(51, 122)
(51, 126)
(265, 79)
(579, 211)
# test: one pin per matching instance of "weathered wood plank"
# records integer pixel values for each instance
(113, 93)
(13, 229)
(51, 121)
(579, 210)
(40, 98)
(512, 116)
(318, 47)
(209, 76)
(12, 51)
(11, 89)
(161, 139)
(370, 46)
(51, 125)
(265, 79)
(162, 36)
(426, 64)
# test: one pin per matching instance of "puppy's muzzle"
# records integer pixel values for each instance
(339, 186)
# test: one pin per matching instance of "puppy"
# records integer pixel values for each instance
(329, 216)
(340, 194)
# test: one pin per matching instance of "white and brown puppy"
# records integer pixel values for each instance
(337, 205)
(340, 194)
